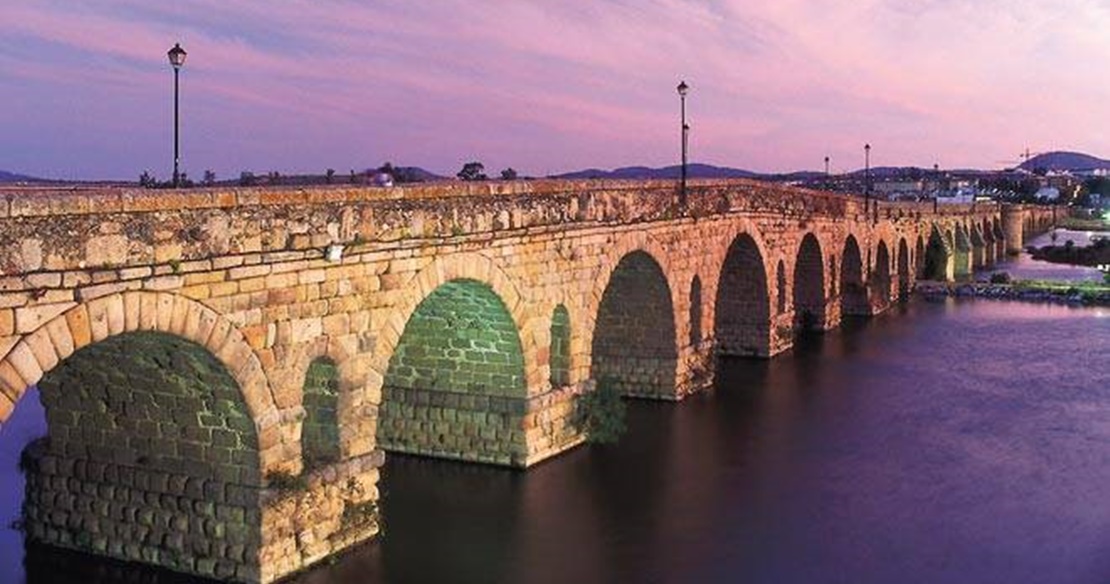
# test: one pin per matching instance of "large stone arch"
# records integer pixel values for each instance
(633, 347)
(742, 307)
(853, 289)
(584, 326)
(455, 385)
(84, 324)
(466, 266)
(809, 285)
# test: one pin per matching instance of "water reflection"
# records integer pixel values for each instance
(957, 442)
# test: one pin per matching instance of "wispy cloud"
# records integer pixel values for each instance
(545, 86)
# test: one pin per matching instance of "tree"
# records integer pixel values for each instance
(147, 180)
(329, 175)
(508, 174)
(246, 178)
(473, 171)
(209, 178)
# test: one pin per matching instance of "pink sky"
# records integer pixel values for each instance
(546, 87)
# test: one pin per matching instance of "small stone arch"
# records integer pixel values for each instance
(880, 277)
(695, 311)
(853, 289)
(919, 257)
(809, 286)
(559, 356)
(905, 273)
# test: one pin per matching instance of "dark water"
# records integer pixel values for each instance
(956, 442)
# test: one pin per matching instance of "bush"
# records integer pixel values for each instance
(599, 414)
(1000, 278)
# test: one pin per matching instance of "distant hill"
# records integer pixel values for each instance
(11, 177)
(1064, 161)
(696, 170)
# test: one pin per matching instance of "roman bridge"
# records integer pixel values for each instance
(222, 369)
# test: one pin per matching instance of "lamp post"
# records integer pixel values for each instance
(683, 89)
(177, 60)
(828, 183)
(867, 172)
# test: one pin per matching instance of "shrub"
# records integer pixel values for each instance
(1000, 278)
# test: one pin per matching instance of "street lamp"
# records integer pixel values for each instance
(867, 172)
(177, 60)
(683, 89)
(828, 184)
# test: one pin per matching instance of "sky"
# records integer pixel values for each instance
(86, 90)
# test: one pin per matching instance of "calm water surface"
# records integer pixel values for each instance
(955, 442)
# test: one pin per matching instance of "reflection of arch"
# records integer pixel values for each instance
(742, 317)
(809, 286)
(904, 272)
(633, 348)
(880, 276)
(853, 292)
(108, 316)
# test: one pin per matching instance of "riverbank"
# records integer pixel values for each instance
(1070, 293)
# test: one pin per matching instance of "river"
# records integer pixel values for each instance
(955, 441)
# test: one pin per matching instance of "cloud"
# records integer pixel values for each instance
(546, 86)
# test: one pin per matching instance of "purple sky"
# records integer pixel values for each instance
(545, 87)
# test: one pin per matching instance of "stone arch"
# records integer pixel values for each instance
(905, 274)
(809, 286)
(963, 261)
(633, 346)
(465, 266)
(695, 311)
(880, 277)
(919, 257)
(938, 257)
(853, 289)
(320, 442)
(84, 324)
(742, 313)
(586, 321)
(780, 287)
(978, 247)
(559, 355)
(455, 384)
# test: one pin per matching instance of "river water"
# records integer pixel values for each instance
(955, 441)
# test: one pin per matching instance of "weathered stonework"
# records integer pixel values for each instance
(582, 282)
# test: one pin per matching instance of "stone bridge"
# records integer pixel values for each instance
(223, 369)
